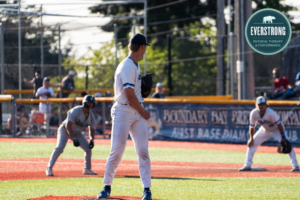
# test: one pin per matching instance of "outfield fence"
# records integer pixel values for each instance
(185, 119)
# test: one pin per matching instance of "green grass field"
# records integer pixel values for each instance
(44, 150)
(163, 188)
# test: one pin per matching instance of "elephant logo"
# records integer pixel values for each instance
(268, 20)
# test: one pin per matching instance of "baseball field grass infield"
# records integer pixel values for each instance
(44, 150)
(163, 188)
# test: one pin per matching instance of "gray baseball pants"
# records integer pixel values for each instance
(62, 139)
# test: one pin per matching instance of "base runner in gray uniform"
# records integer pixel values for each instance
(78, 119)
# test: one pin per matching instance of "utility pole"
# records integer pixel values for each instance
(20, 54)
(239, 62)
(42, 42)
(86, 77)
(220, 46)
(249, 64)
(2, 60)
(59, 66)
(145, 34)
(169, 64)
(116, 44)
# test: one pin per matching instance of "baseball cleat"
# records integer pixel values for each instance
(245, 168)
(295, 169)
(104, 194)
(49, 172)
(147, 195)
(89, 172)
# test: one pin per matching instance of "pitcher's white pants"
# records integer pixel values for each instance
(259, 137)
(125, 120)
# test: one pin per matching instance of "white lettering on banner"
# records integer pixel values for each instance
(257, 30)
(292, 134)
(183, 133)
(291, 118)
(210, 134)
(219, 117)
(240, 117)
(220, 134)
(183, 116)
(214, 133)
(234, 134)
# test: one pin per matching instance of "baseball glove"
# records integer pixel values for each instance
(284, 146)
(146, 85)
(48, 94)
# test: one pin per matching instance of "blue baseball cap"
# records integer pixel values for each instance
(46, 79)
(298, 77)
(138, 39)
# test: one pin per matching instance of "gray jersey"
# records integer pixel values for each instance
(68, 84)
(80, 123)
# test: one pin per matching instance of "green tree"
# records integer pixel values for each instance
(181, 10)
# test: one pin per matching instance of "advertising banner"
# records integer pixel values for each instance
(214, 123)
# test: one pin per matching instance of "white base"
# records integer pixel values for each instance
(258, 169)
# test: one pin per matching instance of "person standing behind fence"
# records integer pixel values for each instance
(78, 119)
(159, 89)
(45, 92)
(37, 82)
(67, 86)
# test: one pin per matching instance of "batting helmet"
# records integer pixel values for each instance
(88, 98)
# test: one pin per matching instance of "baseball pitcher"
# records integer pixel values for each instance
(129, 116)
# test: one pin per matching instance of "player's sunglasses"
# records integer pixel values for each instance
(261, 104)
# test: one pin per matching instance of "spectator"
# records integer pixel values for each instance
(67, 86)
(53, 119)
(282, 88)
(97, 110)
(83, 94)
(297, 83)
(44, 93)
(37, 81)
(107, 94)
(108, 108)
(22, 119)
(159, 89)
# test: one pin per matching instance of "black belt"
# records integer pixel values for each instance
(130, 104)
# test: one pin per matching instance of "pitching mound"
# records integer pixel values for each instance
(84, 198)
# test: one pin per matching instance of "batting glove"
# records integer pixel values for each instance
(91, 144)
